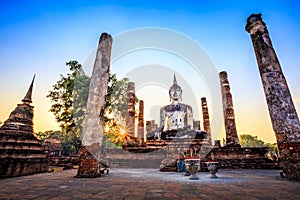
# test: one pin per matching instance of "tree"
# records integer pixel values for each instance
(66, 140)
(115, 111)
(247, 140)
(69, 97)
(43, 135)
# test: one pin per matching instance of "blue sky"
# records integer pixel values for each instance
(40, 36)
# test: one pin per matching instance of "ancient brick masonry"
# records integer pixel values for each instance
(21, 153)
(281, 108)
(206, 123)
(197, 125)
(229, 119)
(92, 136)
(141, 120)
(130, 120)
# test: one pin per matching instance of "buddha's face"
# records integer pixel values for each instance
(175, 93)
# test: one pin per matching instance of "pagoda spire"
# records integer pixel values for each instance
(27, 98)
(175, 81)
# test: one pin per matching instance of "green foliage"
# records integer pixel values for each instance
(69, 97)
(116, 98)
(273, 146)
(114, 138)
(115, 111)
(67, 141)
(247, 140)
(43, 135)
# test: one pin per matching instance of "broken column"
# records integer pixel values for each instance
(130, 115)
(229, 119)
(206, 123)
(92, 135)
(281, 108)
(141, 120)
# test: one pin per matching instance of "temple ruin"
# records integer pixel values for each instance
(178, 135)
(177, 138)
(21, 153)
(174, 136)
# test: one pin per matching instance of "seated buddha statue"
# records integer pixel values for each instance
(176, 115)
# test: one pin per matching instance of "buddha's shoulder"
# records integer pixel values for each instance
(185, 105)
(182, 105)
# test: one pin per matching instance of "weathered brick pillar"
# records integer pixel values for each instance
(229, 119)
(197, 125)
(281, 108)
(141, 120)
(92, 135)
(130, 120)
(206, 123)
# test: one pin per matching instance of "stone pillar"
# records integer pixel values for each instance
(151, 125)
(206, 123)
(197, 125)
(141, 119)
(281, 108)
(130, 120)
(148, 126)
(230, 128)
(92, 134)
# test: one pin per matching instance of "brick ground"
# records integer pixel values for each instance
(151, 184)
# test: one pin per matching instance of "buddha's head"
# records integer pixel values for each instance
(175, 91)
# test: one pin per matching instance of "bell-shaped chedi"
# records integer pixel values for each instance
(21, 153)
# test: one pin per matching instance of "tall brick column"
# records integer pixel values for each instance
(229, 119)
(130, 120)
(281, 108)
(141, 120)
(92, 135)
(206, 123)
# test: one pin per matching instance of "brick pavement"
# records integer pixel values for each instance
(151, 184)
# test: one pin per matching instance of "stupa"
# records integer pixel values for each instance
(21, 153)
